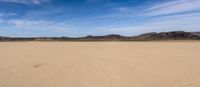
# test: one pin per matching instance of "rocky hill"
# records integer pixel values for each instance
(175, 35)
(196, 33)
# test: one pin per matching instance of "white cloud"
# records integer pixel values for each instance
(172, 7)
(39, 25)
(29, 28)
(123, 9)
(36, 2)
(36, 25)
(7, 14)
(184, 18)
(1, 21)
(185, 22)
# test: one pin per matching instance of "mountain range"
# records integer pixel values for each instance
(174, 35)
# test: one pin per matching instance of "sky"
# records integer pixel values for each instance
(74, 18)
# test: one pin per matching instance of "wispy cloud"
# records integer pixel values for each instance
(174, 7)
(124, 9)
(176, 15)
(185, 22)
(7, 14)
(36, 25)
(40, 25)
(165, 15)
(171, 7)
(36, 2)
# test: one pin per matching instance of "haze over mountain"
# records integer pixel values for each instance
(153, 36)
(26, 18)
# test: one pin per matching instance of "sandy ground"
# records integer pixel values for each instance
(100, 64)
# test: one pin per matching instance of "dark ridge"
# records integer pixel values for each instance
(174, 35)
(102, 38)
(196, 33)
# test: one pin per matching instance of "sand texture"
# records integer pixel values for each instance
(100, 64)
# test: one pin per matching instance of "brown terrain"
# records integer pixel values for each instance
(100, 64)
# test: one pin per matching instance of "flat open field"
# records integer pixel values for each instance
(100, 64)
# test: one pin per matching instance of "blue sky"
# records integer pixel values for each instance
(96, 17)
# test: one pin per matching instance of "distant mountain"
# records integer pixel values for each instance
(196, 33)
(175, 35)
(102, 38)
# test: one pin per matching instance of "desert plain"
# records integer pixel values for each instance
(100, 64)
